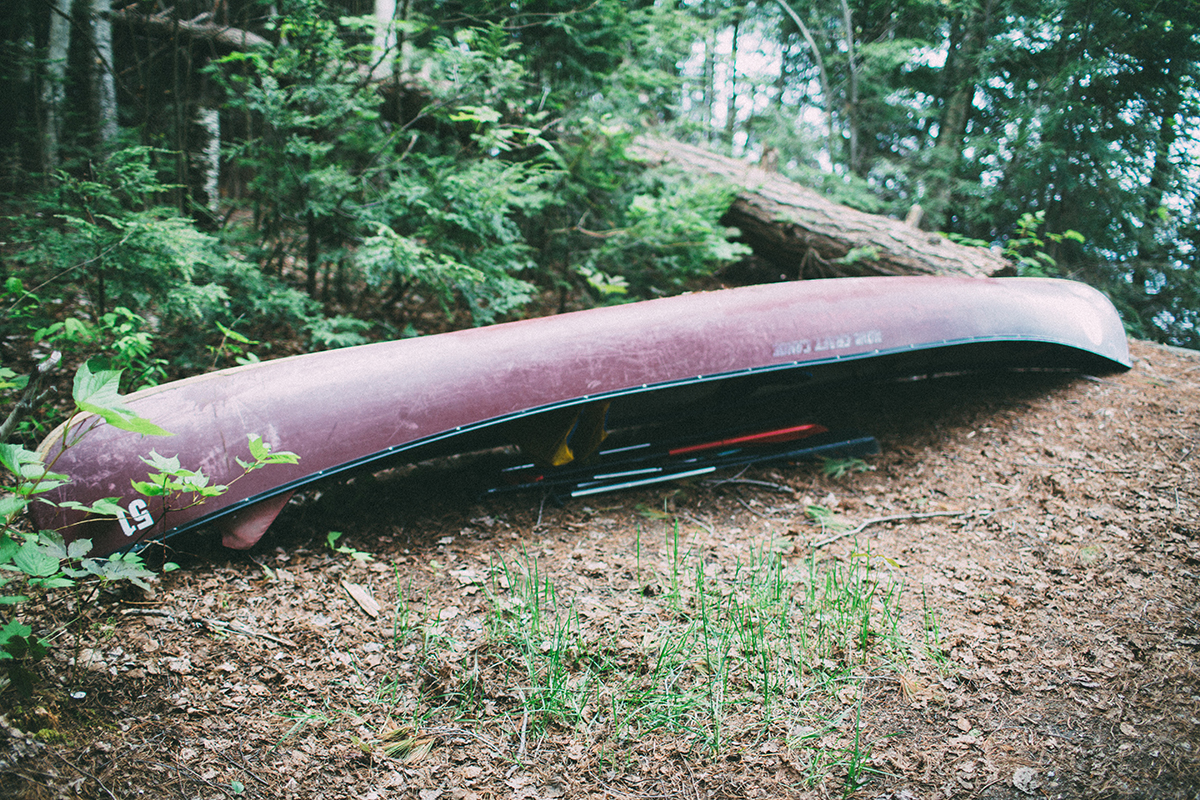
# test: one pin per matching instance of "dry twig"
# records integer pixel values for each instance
(901, 518)
(214, 625)
(778, 487)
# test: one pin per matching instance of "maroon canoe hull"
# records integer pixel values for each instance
(341, 409)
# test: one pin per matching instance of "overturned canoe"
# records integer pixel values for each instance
(416, 398)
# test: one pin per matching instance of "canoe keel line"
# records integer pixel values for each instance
(705, 380)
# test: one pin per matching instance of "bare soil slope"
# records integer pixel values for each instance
(1028, 625)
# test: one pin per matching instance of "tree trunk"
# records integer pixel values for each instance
(731, 105)
(804, 235)
(962, 73)
(385, 39)
(54, 76)
(209, 121)
(312, 253)
(824, 76)
(852, 115)
(710, 85)
(105, 88)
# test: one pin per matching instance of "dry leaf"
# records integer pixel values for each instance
(362, 596)
(1026, 780)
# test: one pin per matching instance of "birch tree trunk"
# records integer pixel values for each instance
(852, 115)
(209, 120)
(385, 39)
(710, 84)
(104, 84)
(53, 89)
(731, 105)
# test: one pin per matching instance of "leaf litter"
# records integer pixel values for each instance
(1013, 614)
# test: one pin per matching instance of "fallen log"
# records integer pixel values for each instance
(223, 37)
(801, 234)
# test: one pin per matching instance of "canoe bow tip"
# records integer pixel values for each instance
(242, 529)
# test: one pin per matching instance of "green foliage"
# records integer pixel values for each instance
(331, 541)
(96, 393)
(668, 232)
(261, 307)
(503, 175)
(1024, 248)
(402, 221)
(261, 455)
(43, 560)
(310, 163)
(458, 235)
(121, 333)
(329, 333)
(235, 344)
(622, 230)
(840, 467)
(117, 274)
(104, 234)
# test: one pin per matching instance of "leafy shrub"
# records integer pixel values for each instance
(104, 235)
(43, 561)
(668, 232)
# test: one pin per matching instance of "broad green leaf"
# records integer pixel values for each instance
(97, 393)
(8, 548)
(53, 582)
(261, 451)
(232, 334)
(169, 466)
(128, 567)
(258, 448)
(12, 630)
(149, 489)
(11, 380)
(79, 548)
(11, 504)
(25, 464)
(35, 561)
(53, 542)
(106, 507)
(137, 424)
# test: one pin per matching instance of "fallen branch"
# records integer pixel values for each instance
(214, 625)
(1068, 467)
(84, 773)
(697, 521)
(221, 36)
(778, 487)
(217, 626)
(31, 394)
(862, 526)
(746, 506)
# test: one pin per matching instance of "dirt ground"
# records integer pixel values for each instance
(1038, 576)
